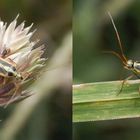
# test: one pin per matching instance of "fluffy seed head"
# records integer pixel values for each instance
(17, 48)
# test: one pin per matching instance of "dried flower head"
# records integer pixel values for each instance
(20, 62)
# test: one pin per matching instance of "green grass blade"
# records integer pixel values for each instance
(99, 101)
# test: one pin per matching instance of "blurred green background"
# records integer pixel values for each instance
(93, 33)
(51, 119)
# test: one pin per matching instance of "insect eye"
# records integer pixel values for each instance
(13, 68)
(21, 78)
(10, 74)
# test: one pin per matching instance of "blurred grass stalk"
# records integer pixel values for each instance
(49, 81)
(99, 101)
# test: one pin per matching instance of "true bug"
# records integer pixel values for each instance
(133, 66)
(8, 72)
(8, 69)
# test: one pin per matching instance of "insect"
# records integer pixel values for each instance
(8, 66)
(133, 66)
(8, 69)
(21, 61)
(10, 78)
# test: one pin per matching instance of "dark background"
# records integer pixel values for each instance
(93, 33)
(51, 119)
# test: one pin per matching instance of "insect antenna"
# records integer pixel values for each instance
(118, 38)
(116, 54)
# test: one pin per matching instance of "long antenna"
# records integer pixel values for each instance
(118, 37)
(116, 54)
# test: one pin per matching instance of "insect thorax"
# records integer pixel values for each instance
(137, 66)
(8, 70)
(133, 65)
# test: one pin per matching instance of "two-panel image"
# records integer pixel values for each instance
(69, 70)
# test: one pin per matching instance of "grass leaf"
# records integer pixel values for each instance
(99, 101)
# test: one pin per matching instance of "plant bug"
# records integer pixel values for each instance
(10, 79)
(8, 69)
(133, 66)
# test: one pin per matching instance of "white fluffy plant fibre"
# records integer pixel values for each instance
(16, 46)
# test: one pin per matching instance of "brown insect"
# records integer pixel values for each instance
(129, 64)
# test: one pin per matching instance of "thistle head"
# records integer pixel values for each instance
(16, 46)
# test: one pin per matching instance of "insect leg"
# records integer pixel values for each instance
(123, 82)
(137, 75)
(138, 78)
(11, 62)
(26, 75)
(18, 90)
